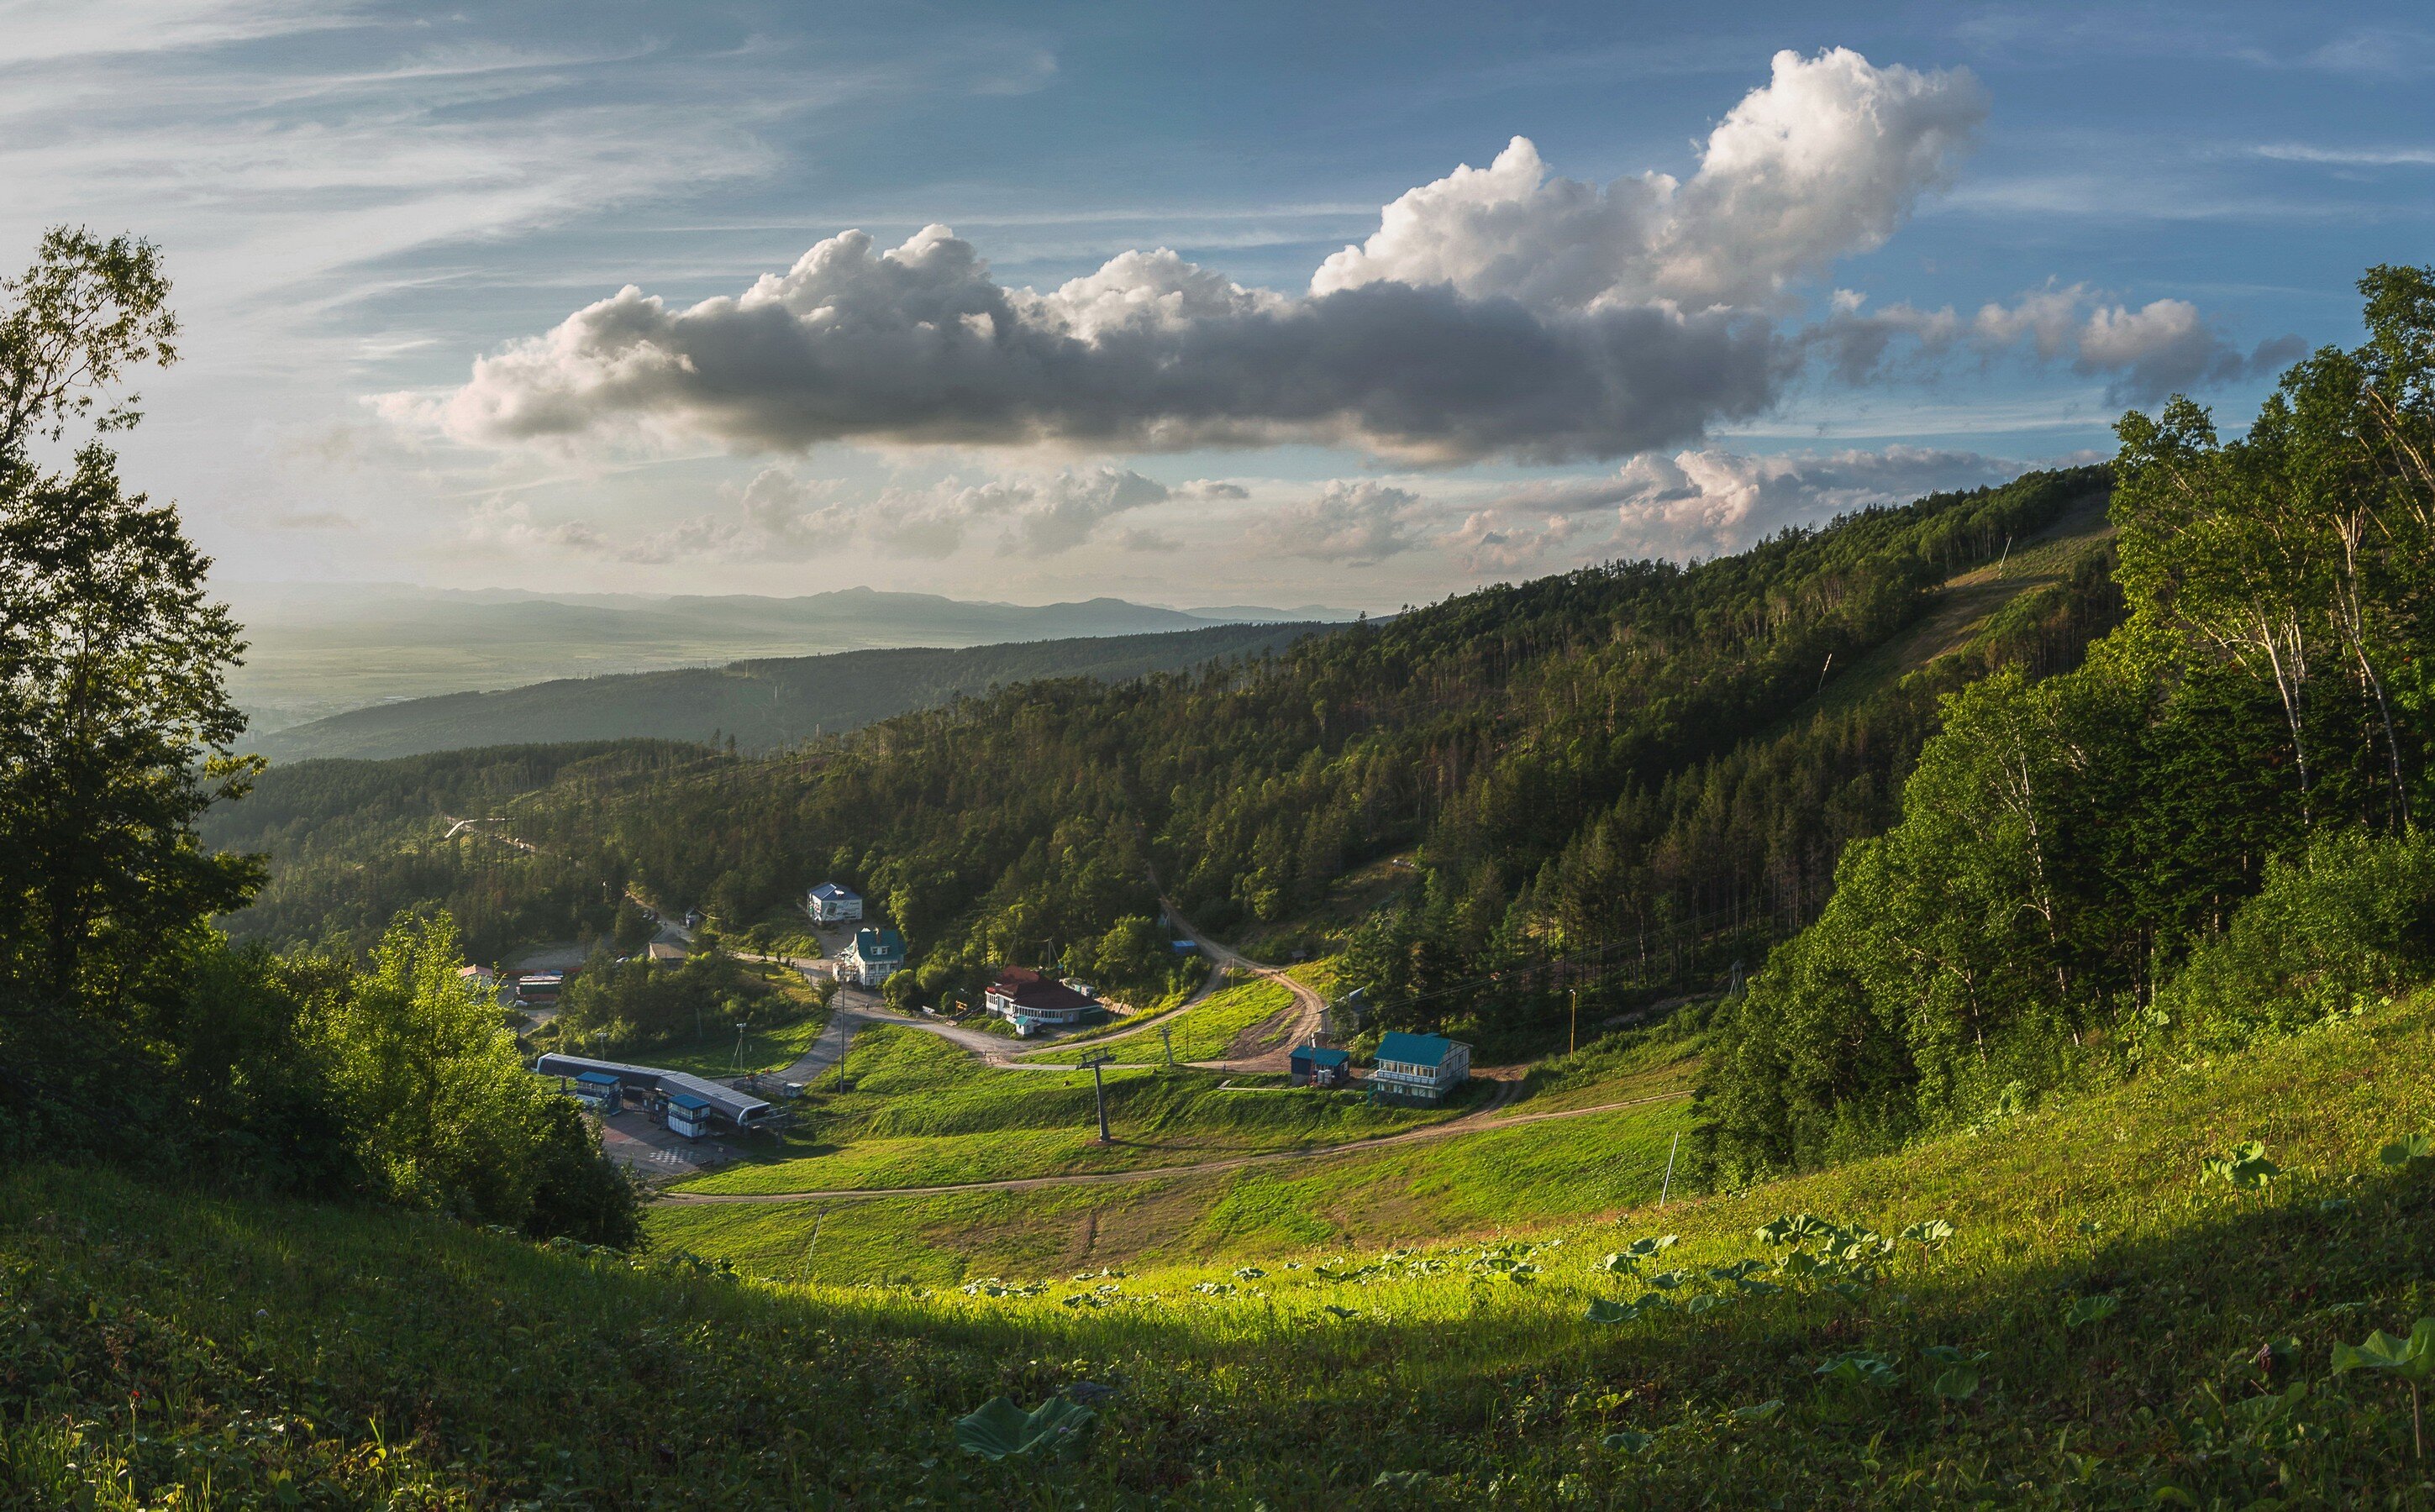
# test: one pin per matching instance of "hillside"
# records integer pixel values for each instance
(1624, 759)
(763, 705)
(2106, 1326)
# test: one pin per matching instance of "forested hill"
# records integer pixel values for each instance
(762, 705)
(1637, 751)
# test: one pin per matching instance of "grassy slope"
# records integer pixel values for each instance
(1964, 604)
(156, 1337)
(922, 1111)
(1201, 1032)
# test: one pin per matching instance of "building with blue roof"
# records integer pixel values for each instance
(833, 903)
(1319, 1066)
(1423, 1067)
(689, 1115)
(600, 1091)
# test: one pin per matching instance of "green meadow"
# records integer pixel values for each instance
(909, 1108)
(2107, 1303)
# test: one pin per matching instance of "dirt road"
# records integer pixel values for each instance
(1480, 1122)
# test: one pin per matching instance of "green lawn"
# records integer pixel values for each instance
(2107, 1326)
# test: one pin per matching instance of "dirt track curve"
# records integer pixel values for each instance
(1474, 1123)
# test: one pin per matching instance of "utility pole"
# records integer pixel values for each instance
(1099, 1092)
(1575, 1042)
(1166, 1039)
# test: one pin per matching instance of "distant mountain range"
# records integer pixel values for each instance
(320, 649)
(765, 704)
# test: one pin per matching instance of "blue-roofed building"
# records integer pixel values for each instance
(689, 1115)
(1318, 1066)
(600, 1091)
(1423, 1067)
(833, 903)
(876, 955)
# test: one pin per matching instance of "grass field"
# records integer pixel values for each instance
(909, 1108)
(1200, 1032)
(2106, 1325)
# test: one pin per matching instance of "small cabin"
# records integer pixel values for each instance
(1421, 1067)
(1318, 1066)
(689, 1115)
(600, 1091)
(539, 990)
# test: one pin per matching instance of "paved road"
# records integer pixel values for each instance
(1480, 1121)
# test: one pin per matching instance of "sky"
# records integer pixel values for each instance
(1356, 305)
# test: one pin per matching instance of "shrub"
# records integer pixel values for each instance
(2352, 920)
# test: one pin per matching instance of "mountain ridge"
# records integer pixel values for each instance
(765, 703)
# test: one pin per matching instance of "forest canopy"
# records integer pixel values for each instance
(2207, 833)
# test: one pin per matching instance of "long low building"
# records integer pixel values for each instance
(741, 1109)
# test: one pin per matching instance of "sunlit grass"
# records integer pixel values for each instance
(157, 1339)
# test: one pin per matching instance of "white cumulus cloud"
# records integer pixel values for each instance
(1826, 161)
(1498, 312)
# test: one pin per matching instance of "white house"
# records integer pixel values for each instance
(1422, 1066)
(830, 903)
(876, 955)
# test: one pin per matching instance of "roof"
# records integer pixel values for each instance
(544, 978)
(1415, 1049)
(662, 951)
(689, 1101)
(1029, 990)
(737, 1106)
(878, 945)
(1321, 1056)
(831, 890)
(598, 1079)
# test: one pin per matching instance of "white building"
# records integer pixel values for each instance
(876, 955)
(830, 903)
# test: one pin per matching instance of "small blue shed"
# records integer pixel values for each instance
(689, 1115)
(599, 1091)
(1318, 1066)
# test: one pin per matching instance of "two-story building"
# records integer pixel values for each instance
(1029, 1000)
(1423, 1067)
(833, 904)
(876, 955)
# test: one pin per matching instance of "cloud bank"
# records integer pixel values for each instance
(1707, 502)
(2163, 347)
(1498, 312)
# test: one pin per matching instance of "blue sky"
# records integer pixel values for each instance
(358, 202)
